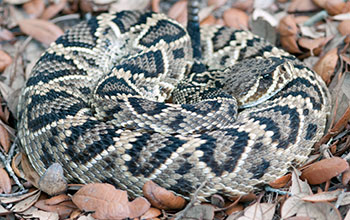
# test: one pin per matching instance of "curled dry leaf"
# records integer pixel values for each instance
(34, 8)
(53, 9)
(57, 199)
(288, 26)
(5, 182)
(108, 202)
(29, 173)
(5, 60)
(280, 182)
(155, 5)
(41, 30)
(52, 181)
(334, 7)
(162, 198)
(236, 18)
(344, 27)
(4, 138)
(324, 170)
(289, 43)
(217, 3)
(326, 64)
(233, 209)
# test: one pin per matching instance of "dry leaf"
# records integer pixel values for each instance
(5, 60)
(151, 214)
(41, 30)
(52, 181)
(233, 209)
(155, 5)
(28, 171)
(53, 9)
(108, 202)
(314, 45)
(326, 65)
(6, 35)
(344, 27)
(345, 177)
(26, 203)
(288, 26)
(57, 199)
(323, 196)
(210, 20)
(34, 8)
(41, 215)
(280, 182)
(63, 209)
(302, 6)
(324, 170)
(244, 5)
(236, 18)
(4, 138)
(13, 199)
(289, 43)
(162, 198)
(334, 7)
(259, 211)
(179, 11)
(5, 182)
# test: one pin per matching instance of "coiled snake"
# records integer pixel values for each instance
(124, 98)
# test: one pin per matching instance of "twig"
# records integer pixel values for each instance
(270, 189)
(191, 203)
(7, 161)
(316, 18)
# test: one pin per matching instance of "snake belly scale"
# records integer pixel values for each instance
(97, 102)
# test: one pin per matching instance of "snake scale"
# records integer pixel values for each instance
(123, 98)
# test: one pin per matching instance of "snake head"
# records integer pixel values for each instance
(252, 81)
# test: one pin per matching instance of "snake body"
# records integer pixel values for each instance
(120, 99)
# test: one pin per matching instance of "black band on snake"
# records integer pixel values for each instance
(242, 112)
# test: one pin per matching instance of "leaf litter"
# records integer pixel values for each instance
(315, 31)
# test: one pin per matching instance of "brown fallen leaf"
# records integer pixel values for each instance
(210, 20)
(29, 173)
(236, 18)
(302, 6)
(107, 202)
(151, 214)
(162, 198)
(6, 35)
(44, 31)
(5, 60)
(326, 64)
(313, 45)
(334, 7)
(53, 9)
(5, 141)
(320, 3)
(179, 11)
(288, 26)
(5, 181)
(280, 182)
(63, 209)
(57, 199)
(34, 8)
(346, 177)
(324, 170)
(344, 27)
(233, 209)
(259, 211)
(329, 196)
(26, 203)
(289, 43)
